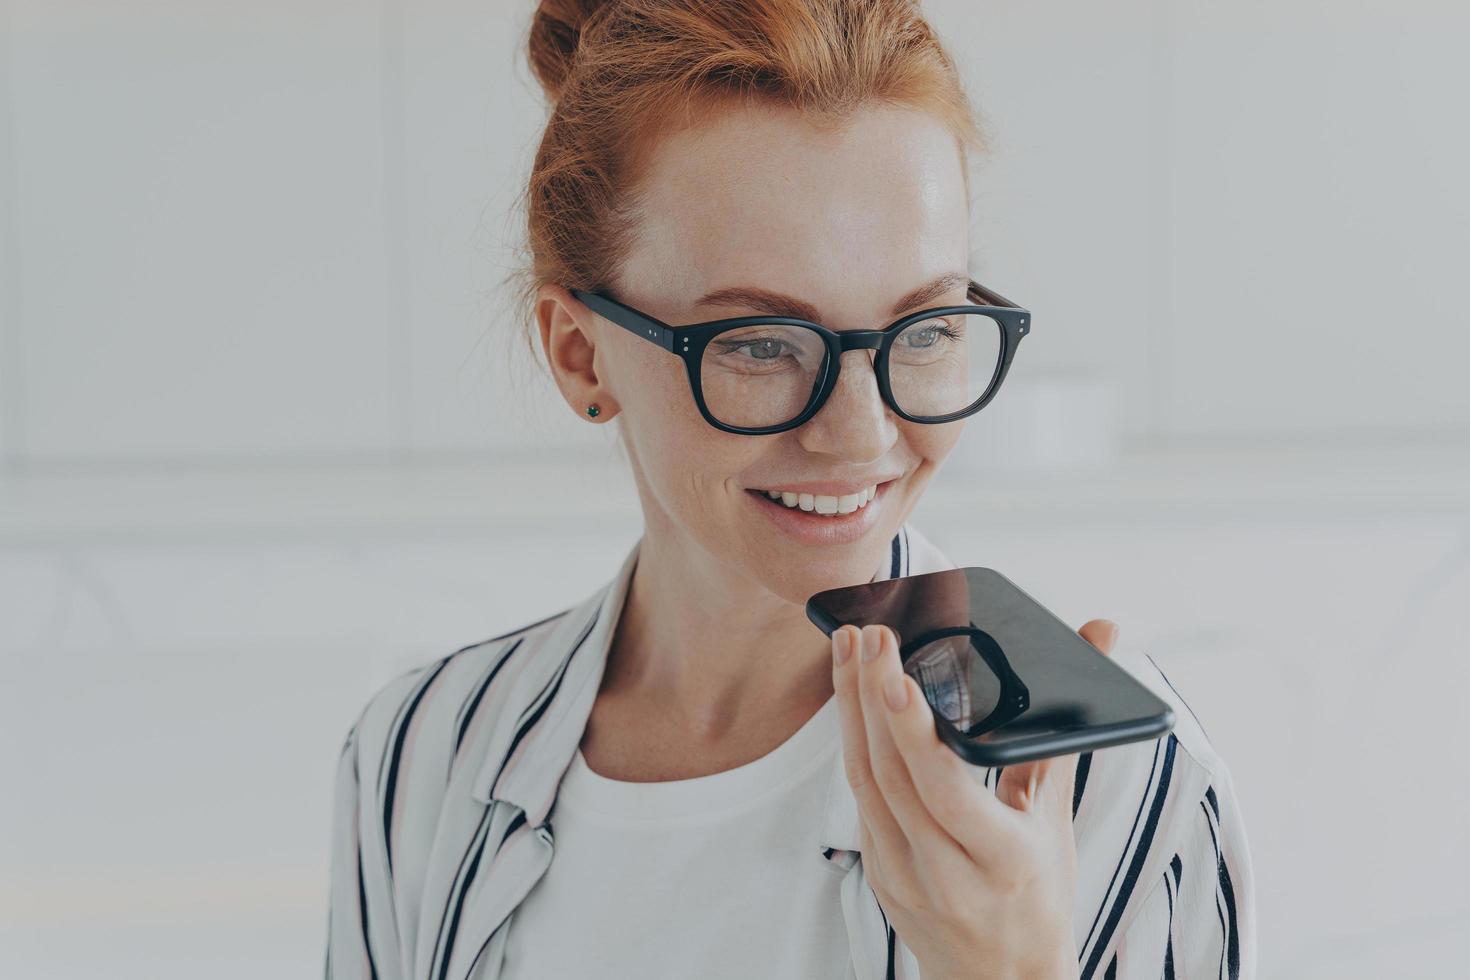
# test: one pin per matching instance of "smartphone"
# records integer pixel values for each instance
(1006, 679)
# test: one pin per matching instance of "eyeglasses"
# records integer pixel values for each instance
(756, 375)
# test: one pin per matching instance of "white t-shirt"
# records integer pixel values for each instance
(691, 877)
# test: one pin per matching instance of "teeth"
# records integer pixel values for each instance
(825, 503)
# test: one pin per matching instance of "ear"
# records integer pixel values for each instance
(569, 340)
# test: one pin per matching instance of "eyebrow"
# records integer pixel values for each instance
(779, 304)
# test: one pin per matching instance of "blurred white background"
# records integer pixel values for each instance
(260, 418)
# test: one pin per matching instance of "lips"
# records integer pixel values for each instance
(812, 528)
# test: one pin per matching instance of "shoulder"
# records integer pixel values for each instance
(416, 732)
(1151, 816)
(1196, 753)
(1140, 799)
(427, 713)
(1152, 785)
(1137, 806)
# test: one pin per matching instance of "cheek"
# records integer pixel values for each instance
(668, 414)
(647, 379)
(680, 452)
(653, 393)
(933, 442)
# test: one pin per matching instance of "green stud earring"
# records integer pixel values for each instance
(593, 411)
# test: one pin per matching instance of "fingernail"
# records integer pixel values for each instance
(841, 646)
(872, 642)
(1114, 637)
(896, 692)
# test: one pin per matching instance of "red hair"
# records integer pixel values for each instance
(619, 73)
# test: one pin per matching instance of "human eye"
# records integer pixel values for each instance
(755, 348)
(931, 334)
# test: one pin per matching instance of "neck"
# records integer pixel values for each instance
(712, 646)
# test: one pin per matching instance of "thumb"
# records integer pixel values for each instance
(1101, 633)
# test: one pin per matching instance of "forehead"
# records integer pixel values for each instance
(760, 195)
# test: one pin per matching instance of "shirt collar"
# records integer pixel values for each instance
(538, 732)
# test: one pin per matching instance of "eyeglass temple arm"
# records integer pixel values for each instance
(991, 297)
(629, 319)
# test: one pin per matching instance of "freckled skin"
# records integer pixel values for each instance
(847, 218)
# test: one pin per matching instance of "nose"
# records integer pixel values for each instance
(854, 424)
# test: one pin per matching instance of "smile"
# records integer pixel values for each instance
(822, 503)
(823, 519)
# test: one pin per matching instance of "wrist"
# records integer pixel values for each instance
(1063, 966)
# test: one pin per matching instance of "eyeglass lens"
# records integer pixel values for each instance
(764, 374)
(955, 680)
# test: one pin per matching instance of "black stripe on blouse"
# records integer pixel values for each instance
(1230, 949)
(543, 700)
(1142, 803)
(390, 787)
(1169, 933)
(519, 634)
(362, 904)
(1178, 695)
(890, 973)
(1084, 765)
(467, 713)
(449, 922)
(1140, 854)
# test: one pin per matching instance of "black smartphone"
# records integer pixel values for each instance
(1006, 679)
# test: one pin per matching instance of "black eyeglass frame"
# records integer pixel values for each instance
(689, 341)
(1014, 697)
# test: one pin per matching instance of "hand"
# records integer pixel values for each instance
(977, 884)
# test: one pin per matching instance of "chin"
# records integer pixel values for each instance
(797, 580)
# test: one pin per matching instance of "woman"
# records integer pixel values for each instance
(727, 792)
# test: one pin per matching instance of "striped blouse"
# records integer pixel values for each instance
(446, 781)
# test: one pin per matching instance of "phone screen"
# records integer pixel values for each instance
(997, 665)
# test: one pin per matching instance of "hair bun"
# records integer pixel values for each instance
(556, 30)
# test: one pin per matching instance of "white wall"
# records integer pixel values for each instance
(263, 229)
(280, 229)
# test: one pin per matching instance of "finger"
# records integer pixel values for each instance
(1028, 785)
(1101, 633)
(877, 667)
(964, 809)
(874, 812)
